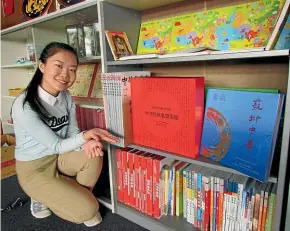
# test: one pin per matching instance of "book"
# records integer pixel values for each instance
(117, 101)
(284, 38)
(168, 113)
(278, 26)
(119, 44)
(240, 130)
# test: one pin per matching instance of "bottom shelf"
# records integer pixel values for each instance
(164, 224)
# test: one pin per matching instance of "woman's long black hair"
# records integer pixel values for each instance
(31, 91)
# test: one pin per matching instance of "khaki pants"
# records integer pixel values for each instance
(44, 181)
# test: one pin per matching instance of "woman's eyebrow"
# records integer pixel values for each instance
(63, 62)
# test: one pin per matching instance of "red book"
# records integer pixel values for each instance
(125, 176)
(149, 184)
(120, 175)
(168, 113)
(143, 163)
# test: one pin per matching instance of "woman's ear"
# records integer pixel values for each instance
(41, 66)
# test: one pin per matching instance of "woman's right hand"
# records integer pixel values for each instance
(93, 149)
(98, 134)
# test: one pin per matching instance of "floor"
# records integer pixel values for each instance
(20, 219)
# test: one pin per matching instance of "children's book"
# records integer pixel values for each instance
(240, 130)
(119, 44)
(278, 27)
(284, 38)
(237, 27)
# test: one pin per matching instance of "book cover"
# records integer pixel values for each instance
(240, 130)
(168, 113)
(155, 37)
(284, 38)
(119, 44)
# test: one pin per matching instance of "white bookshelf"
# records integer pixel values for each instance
(260, 69)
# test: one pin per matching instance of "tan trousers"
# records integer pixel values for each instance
(44, 181)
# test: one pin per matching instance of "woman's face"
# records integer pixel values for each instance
(59, 72)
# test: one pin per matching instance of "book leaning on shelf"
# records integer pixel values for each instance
(117, 101)
(168, 113)
(240, 130)
(88, 83)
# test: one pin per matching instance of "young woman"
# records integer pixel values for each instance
(56, 164)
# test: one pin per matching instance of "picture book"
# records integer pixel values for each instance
(237, 27)
(277, 29)
(167, 113)
(155, 37)
(119, 44)
(284, 38)
(240, 130)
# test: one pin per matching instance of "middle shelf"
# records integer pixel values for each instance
(200, 160)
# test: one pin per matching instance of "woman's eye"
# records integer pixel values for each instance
(58, 65)
(73, 70)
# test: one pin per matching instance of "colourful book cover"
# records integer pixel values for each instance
(167, 113)
(242, 26)
(284, 38)
(155, 37)
(240, 130)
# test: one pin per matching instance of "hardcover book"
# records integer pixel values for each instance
(168, 113)
(240, 130)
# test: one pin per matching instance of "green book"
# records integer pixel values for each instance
(243, 89)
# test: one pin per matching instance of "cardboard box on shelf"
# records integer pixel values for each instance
(15, 91)
(7, 156)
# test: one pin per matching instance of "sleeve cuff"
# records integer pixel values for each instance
(80, 139)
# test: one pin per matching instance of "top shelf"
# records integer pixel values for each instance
(142, 4)
(50, 16)
(219, 55)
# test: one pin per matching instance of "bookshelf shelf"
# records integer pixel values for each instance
(201, 160)
(25, 65)
(50, 16)
(143, 4)
(166, 223)
(208, 57)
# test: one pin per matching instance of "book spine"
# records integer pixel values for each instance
(177, 198)
(156, 188)
(126, 180)
(137, 180)
(185, 181)
(199, 200)
(120, 175)
(149, 176)
(143, 185)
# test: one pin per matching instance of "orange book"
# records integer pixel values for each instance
(168, 113)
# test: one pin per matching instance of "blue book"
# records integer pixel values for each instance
(240, 130)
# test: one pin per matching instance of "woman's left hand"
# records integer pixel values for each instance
(93, 149)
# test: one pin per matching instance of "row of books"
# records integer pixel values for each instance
(265, 25)
(236, 127)
(208, 199)
(88, 118)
